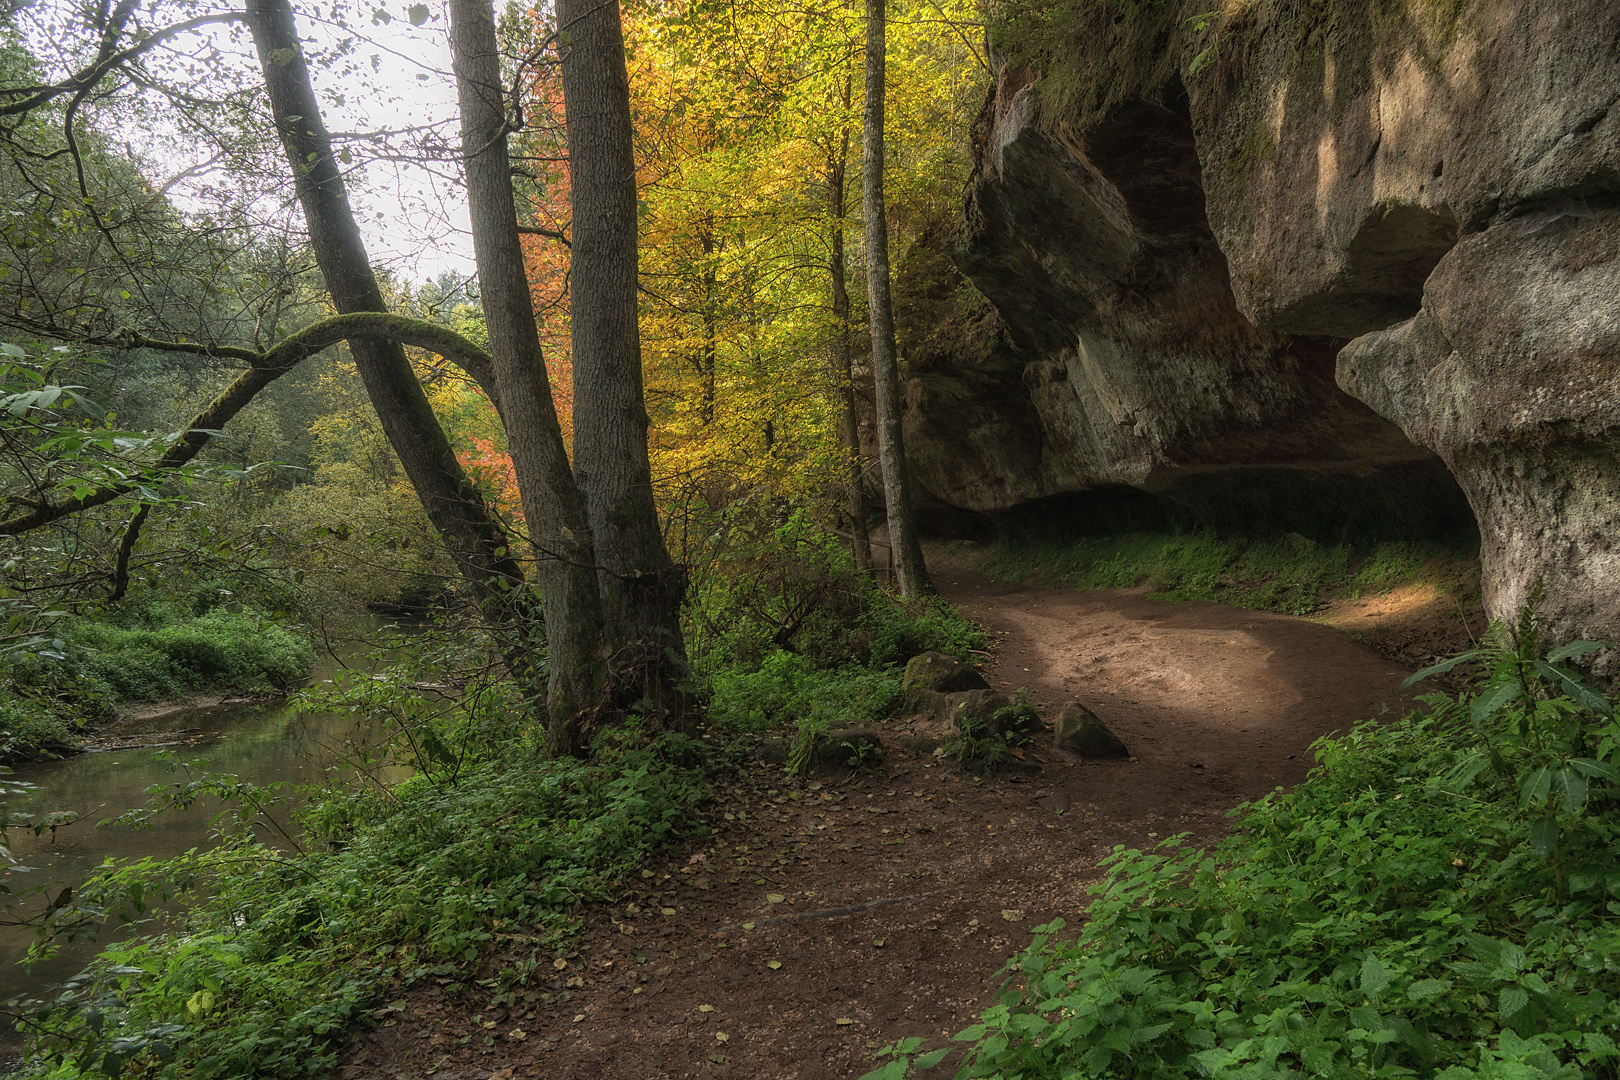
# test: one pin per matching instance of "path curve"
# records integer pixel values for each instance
(825, 919)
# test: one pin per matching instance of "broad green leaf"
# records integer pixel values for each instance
(1544, 835)
(1574, 785)
(1575, 688)
(418, 14)
(1374, 980)
(1601, 769)
(1494, 698)
(1513, 1001)
(1443, 666)
(932, 1058)
(1538, 786)
(1424, 989)
(1574, 648)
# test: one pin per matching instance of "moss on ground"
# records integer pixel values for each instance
(1288, 573)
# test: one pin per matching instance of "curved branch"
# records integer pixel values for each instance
(266, 368)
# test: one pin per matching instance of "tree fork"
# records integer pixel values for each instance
(641, 586)
(551, 501)
(475, 541)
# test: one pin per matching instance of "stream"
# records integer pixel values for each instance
(265, 742)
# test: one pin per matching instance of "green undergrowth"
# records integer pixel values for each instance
(91, 666)
(281, 948)
(1441, 898)
(792, 636)
(1290, 573)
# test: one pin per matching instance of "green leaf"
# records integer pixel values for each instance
(1574, 786)
(1443, 666)
(1513, 1001)
(1601, 769)
(1494, 698)
(283, 57)
(1544, 835)
(932, 1058)
(1574, 648)
(1575, 688)
(1424, 989)
(1538, 786)
(1374, 980)
(418, 14)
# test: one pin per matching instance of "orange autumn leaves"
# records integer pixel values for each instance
(739, 112)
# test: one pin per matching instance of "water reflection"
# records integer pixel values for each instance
(263, 743)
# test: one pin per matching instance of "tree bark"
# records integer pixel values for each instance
(475, 541)
(551, 502)
(908, 557)
(641, 587)
(843, 355)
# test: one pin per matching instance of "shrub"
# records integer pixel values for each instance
(279, 952)
(1438, 899)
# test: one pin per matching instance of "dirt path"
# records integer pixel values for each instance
(826, 919)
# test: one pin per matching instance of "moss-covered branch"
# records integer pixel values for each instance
(264, 368)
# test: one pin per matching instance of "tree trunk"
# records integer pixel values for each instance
(908, 556)
(551, 502)
(843, 358)
(640, 585)
(475, 541)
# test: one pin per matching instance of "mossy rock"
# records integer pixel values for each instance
(847, 747)
(1079, 730)
(934, 673)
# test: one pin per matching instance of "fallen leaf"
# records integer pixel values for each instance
(775, 897)
(560, 964)
(705, 1008)
(879, 942)
(667, 911)
(773, 964)
(718, 1059)
(748, 926)
(1011, 915)
(721, 1036)
(578, 1017)
(517, 1033)
(843, 1021)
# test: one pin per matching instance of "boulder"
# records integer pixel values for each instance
(995, 711)
(1175, 268)
(932, 674)
(1079, 730)
(846, 745)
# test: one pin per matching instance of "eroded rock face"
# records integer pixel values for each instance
(1448, 186)
(1119, 356)
(1175, 284)
(1521, 396)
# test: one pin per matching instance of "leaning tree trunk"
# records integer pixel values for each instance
(908, 556)
(843, 356)
(641, 586)
(552, 506)
(475, 541)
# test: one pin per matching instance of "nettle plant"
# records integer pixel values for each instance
(1440, 898)
(1541, 727)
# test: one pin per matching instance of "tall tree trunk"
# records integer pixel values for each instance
(551, 503)
(475, 541)
(843, 353)
(908, 556)
(641, 586)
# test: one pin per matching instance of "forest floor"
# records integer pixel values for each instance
(829, 917)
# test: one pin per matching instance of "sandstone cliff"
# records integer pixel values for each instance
(1340, 267)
